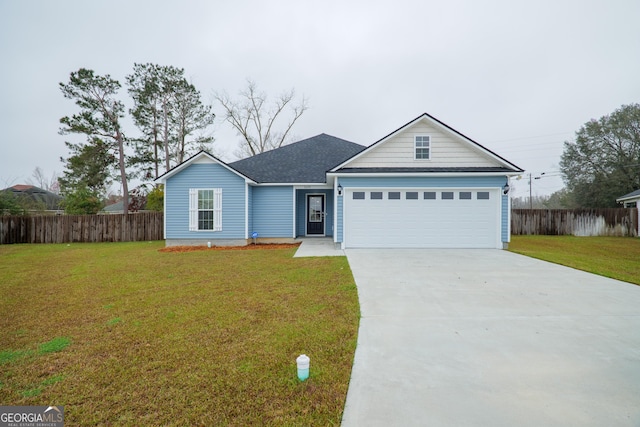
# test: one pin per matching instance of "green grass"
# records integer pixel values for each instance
(615, 257)
(7, 356)
(199, 338)
(37, 389)
(56, 344)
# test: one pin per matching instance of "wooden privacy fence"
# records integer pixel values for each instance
(576, 222)
(143, 226)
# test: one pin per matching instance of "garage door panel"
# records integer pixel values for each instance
(466, 223)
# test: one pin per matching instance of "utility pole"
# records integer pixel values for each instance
(530, 193)
(530, 198)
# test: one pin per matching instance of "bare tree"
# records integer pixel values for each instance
(39, 179)
(255, 120)
(189, 114)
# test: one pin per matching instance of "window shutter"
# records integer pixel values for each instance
(217, 209)
(193, 209)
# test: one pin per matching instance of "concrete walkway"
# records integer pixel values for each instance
(491, 338)
(318, 246)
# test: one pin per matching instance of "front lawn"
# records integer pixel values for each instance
(122, 334)
(615, 257)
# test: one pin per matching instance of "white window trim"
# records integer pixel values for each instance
(193, 209)
(415, 147)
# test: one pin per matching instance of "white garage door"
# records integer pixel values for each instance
(422, 218)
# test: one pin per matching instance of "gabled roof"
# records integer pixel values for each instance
(510, 167)
(632, 195)
(305, 161)
(198, 156)
(49, 200)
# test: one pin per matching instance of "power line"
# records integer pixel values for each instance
(529, 137)
(518, 149)
(533, 144)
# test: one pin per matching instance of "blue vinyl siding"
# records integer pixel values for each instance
(205, 175)
(301, 209)
(435, 182)
(272, 211)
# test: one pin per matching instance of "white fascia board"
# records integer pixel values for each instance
(312, 187)
(203, 154)
(629, 199)
(298, 185)
(422, 174)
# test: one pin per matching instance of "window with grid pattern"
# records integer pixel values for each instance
(422, 147)
(205, 209)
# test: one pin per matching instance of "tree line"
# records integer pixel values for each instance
(600, 165)
(172, 123)
(603, 163)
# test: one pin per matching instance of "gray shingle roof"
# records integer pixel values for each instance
(37, 195)
(630, 195)
(303, 161)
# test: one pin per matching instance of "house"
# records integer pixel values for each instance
(118, 207)
(34, 198)
(631, 200)
(425, 185)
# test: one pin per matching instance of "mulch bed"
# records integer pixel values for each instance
(230, 248)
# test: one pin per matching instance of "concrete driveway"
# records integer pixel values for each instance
(491, 338)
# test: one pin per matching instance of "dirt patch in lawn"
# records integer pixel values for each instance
(230, 248)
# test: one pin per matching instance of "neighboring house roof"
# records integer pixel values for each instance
(305, 161)
(39, 196)
(118, 207)
(506, 165)
(19, 188)
(632, 195)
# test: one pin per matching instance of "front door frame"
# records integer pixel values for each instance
(324, 214)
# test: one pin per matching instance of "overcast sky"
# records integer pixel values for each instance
(519, 77)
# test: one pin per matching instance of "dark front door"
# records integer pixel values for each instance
(315, 214)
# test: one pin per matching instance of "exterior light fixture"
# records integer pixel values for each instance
(506, 188)
(339, 190)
